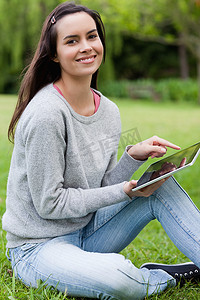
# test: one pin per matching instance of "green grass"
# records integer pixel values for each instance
(180, 124)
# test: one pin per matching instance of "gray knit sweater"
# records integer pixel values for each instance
(63, 168)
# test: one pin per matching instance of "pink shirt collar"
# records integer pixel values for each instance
(96, 97)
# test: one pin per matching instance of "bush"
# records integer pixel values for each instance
(118, 89)
(175, 90)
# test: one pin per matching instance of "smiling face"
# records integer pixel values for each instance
(79, 48)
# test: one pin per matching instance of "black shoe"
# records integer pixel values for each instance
(181, 272)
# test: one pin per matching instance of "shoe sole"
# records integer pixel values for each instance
(166, 265)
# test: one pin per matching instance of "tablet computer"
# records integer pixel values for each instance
(168, 166)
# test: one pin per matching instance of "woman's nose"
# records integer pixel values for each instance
(85, 47)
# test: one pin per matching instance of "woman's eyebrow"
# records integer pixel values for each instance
(76, 35)
(92, 31)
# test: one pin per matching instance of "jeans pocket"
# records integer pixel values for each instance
(17, 253)
(28, 246)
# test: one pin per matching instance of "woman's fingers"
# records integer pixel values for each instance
(144, 192)
(154, 147)
(128, 186)
(162, 142)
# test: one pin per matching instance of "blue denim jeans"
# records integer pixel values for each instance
(87, 263)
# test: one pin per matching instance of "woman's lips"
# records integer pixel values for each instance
(87, 59)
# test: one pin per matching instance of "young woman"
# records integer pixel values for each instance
(70, 205)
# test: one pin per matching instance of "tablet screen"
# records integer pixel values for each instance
(176, 161)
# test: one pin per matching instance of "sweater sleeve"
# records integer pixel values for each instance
(45, 150)
(123, 170)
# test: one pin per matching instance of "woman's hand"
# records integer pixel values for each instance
(165, 168)
(154, 147)
(144, 192)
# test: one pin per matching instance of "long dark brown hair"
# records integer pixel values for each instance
(43, 70)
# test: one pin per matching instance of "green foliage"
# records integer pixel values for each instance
(117, 89)
(175, 90)
(20, 24)
(164, 21)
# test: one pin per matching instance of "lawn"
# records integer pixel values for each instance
(180, 124)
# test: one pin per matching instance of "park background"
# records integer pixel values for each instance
(152, 72)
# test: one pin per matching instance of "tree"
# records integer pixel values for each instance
(165, 21)
(186, 19)
(20, 24)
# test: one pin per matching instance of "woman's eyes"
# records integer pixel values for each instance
(71, 42)
(90, 37)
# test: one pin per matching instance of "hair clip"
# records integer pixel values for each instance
(53, 20)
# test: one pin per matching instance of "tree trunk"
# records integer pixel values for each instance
(184, 68)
